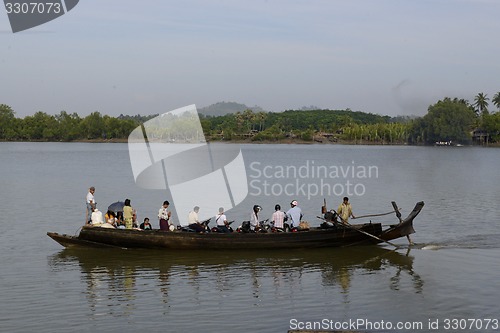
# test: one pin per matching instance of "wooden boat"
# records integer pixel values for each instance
(335, 236)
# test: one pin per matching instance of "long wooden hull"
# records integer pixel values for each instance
(314, 238)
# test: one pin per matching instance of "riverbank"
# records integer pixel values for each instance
(283, 141)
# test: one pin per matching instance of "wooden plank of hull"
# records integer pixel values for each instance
(73, 241)
(190, 240)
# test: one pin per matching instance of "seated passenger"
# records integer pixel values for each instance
(96, 217)
(193, 222)
(146, 225)
(294, 214)
(278, 218)
(221, 220)
(119, 220)
(109, 219)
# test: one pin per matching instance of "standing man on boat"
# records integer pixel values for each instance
(345, 211)
(164, 216)
(294, 214)
(91, 204)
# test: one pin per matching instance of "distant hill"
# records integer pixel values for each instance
(309, 108)
(223, 108)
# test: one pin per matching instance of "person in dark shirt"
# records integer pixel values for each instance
(146, 225)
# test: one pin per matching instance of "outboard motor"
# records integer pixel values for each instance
(330, 216)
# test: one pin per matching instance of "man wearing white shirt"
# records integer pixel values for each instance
(193, 222)
(221, 221)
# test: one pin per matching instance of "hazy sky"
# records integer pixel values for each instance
(391, 57)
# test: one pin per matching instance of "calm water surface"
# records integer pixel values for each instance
(451, 273)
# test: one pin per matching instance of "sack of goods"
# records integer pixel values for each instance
(304, 225)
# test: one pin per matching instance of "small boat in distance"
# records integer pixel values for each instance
(331, 234)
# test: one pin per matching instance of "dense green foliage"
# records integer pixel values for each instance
(62, 127)
(491, 125)
(449, 120)
(305, 125)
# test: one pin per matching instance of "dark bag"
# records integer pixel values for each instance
(245, 226)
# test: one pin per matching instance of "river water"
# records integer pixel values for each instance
(447, 282)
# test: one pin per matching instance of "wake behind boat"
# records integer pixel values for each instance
(333, 235)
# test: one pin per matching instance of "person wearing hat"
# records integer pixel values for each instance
(294, 214)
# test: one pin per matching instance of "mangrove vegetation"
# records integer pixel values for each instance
(450, 120)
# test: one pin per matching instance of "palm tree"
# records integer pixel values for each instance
(239, 119)
(249, 119)
(496, 100)
(481, 103)
(261, 117)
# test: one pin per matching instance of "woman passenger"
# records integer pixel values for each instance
(110, 218)
(128, 215)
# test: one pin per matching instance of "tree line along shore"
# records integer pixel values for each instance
(448, 121)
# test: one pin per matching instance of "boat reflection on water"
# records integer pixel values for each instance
(370, 261)
(114, 275)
